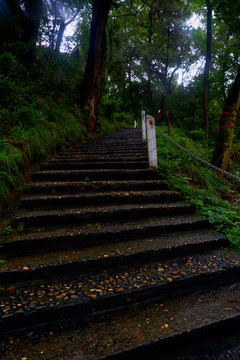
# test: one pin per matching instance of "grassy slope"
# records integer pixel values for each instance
(39, 115)
(218, 199)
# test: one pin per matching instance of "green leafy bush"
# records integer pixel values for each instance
(215, 198)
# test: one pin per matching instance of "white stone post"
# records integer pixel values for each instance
(144, 133)
(135, 124)
(152, 146)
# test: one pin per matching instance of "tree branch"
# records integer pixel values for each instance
(73, 18)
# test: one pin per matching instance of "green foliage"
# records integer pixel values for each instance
(215, 198)
(20, 227)
(36, 118)
(12, 69)
(39, 114)
(111, 117)
(7, 230)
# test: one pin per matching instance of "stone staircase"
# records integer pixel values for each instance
(111, 264)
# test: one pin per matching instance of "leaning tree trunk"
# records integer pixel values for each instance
(91, 85)
(227, 119)
(207, 68)
(61, 30)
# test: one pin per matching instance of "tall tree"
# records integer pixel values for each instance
(227, 119)
(20, 21)
(207, 69)
(58, 15)
(91, 84)
(31, 26)
(228, 11)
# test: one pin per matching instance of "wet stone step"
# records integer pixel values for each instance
(95, 186)
(152, 331)
(94, 158)
(83, 215)
(90, 175)
(123, 151)
(109, 154)
(74, 165)
(102, 158)
(111, 288)
(100, 236)
(56, 238)
(131, 197)
(113, 149)
(108, 255)
(112, 146)
(118, 152)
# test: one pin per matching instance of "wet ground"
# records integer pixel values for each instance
(23, 298)
(107, 334)
(101, 306)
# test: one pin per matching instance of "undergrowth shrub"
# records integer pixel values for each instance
(39, 114)
(217, 199)
(235, 154)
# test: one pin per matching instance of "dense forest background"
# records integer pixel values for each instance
(123, 57)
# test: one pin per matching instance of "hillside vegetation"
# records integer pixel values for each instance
(40, 114)
(214, 197)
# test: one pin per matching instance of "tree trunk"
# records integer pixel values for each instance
(207, 68)
(61, 30)
(131, 93)
(227, 119)
(149, 72)
(91, 85)
(52, 34)
(60, 36)
(109, 54)
(31, 27)
(166, 81)
(149, 82)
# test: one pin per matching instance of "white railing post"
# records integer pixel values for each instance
(135, 124)
(152, 146)
(144, 133)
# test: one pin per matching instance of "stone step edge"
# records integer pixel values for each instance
(113, 197)
(147, 171)
(78, 165)
(101, 159)
(78, 240)
(90, 214)
(102, 163)
(99, 174)
(111, 303)
(172, 344)
(111, 261)
(84, 186)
